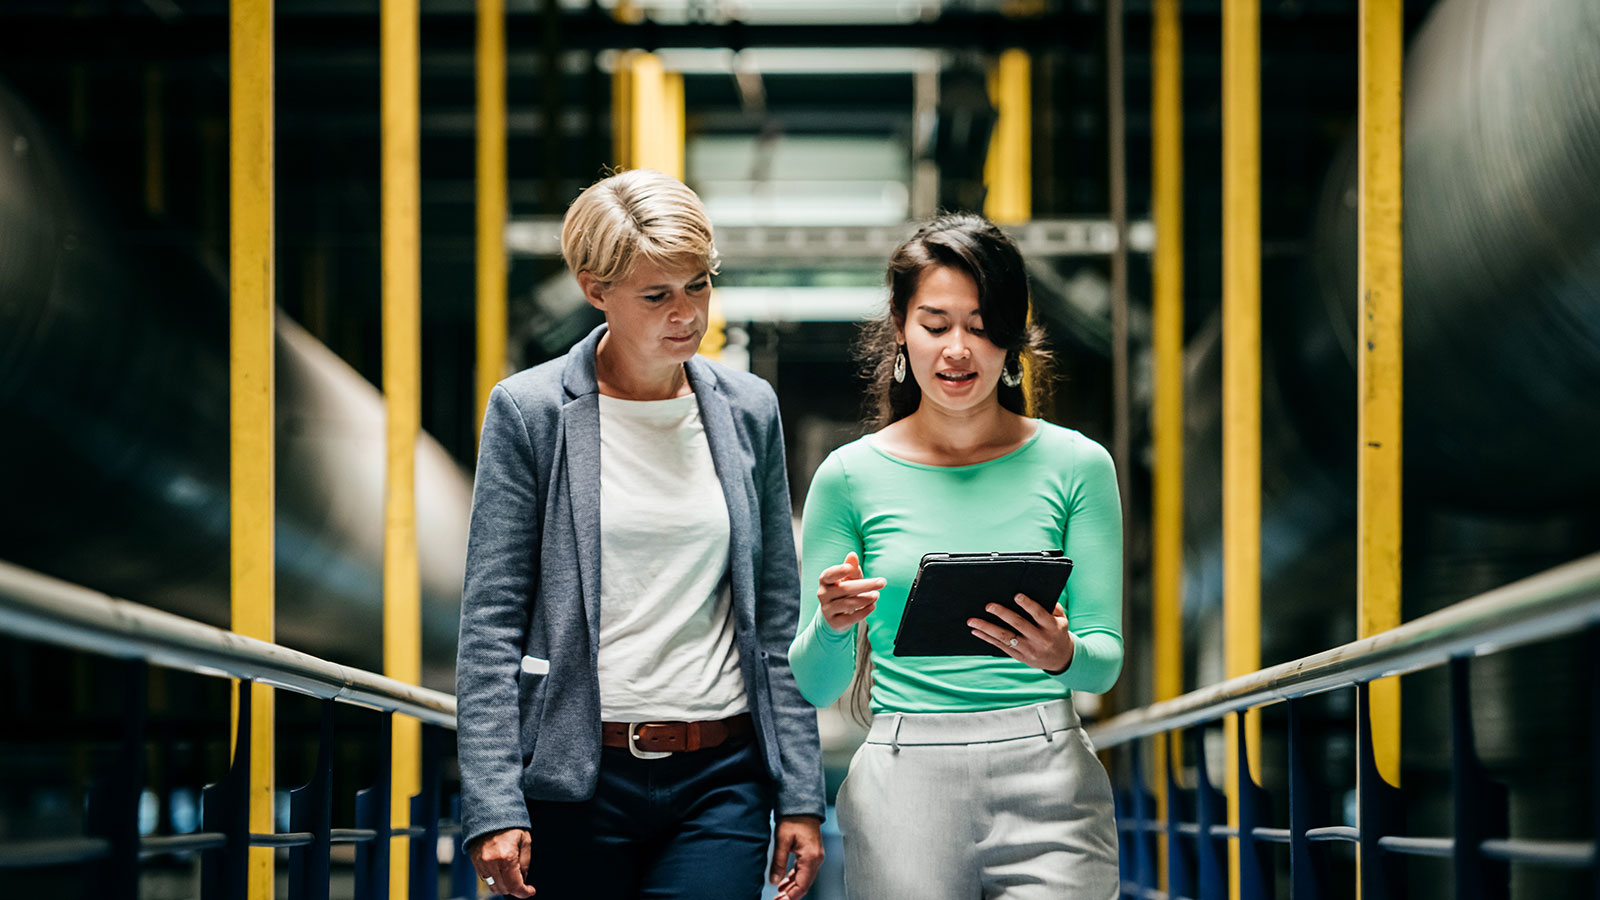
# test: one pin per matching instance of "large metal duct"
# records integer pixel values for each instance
(1502, 311)
(1502, 258)
(1502, 391)
(114, 433)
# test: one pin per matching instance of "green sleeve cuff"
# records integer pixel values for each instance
(1096, 663)
(826, 632)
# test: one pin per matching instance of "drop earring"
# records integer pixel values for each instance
(900, 364)
(1011, 375)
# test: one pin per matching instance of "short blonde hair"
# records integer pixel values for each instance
(633, 215)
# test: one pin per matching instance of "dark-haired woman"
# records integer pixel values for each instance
(976, 779)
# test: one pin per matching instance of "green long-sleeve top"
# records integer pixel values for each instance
(1059, 489)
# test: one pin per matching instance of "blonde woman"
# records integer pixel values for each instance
(628, 723)
(976, 779)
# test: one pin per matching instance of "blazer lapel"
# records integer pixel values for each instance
(581, 440)
(723, 438)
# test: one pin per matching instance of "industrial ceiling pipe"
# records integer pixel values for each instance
(114, 410)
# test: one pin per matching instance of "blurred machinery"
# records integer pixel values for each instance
(1502, 258)
(1502, 375)
(114, 404)
(1502, 319)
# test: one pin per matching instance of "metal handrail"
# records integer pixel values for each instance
(52, 852)
(43, 608)
(1552, 603)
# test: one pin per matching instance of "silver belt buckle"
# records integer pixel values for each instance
(633, 744)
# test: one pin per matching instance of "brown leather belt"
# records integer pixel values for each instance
(670, 737)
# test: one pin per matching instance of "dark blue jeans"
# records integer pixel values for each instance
(691, 825)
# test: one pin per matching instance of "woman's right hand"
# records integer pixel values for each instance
(845, 595)
(501, 860)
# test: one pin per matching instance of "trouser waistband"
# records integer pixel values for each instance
(988, 726)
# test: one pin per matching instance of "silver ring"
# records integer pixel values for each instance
(1013, 643)
(489, 881)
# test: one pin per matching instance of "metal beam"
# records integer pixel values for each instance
(1380, 357)
(742, 244)
(39, 38)
(491, 199)
(1166, 425)
(1241, 379)
(1008, 170)
(192, 37)
(251, 384)
(1121, 392)
(648, 115)
(402, 389)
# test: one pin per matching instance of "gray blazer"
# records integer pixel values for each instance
(533, 589)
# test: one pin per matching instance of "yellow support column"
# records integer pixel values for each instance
(716, 336)
(1166, 425)
(1379, 370)
(491, 198)
(649, 124)
(668, 156)
(647, 114)
(1241, 377)
(402, 389)
(250, 383)
(622, 110)
(1008, 169)
(667, 152)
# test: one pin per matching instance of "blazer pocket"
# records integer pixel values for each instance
(767, 715)
(531, 677)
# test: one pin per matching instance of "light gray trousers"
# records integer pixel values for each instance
(1009, 803)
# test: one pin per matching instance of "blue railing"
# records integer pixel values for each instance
(38, 608)
(1194, 827)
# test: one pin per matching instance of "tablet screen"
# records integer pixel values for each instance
(951, 588)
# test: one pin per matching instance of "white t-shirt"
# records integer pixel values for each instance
(667, 648)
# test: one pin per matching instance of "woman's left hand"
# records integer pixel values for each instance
(1041, 640)
(800, 837)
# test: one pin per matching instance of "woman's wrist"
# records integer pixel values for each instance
(1072, 653)
(828, 632)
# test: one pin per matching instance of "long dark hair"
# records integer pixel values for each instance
(972, 244)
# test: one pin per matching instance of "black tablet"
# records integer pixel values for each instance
(951, 588)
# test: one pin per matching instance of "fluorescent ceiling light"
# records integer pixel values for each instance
(800, 304)
(778, 11)
(790, 60)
